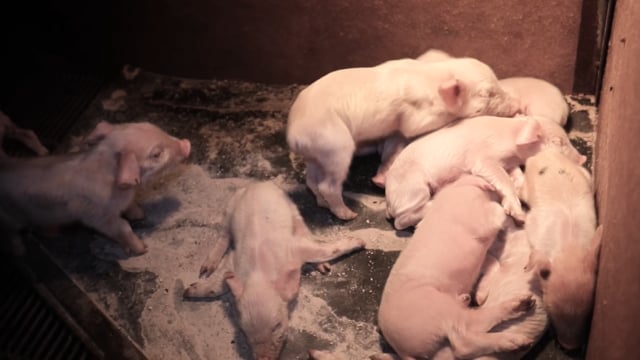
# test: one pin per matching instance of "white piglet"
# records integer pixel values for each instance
(270, 244)
(424, 305)
(503, 277)
(95, 186)
(538, 98)
(561, 227)
(485, 146)
(348, 108)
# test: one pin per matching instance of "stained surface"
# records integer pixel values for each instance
(237, 134)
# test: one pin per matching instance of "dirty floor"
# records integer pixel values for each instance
(237, 134)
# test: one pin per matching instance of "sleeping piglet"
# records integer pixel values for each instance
(503, 277)
(425, 300)
(94, 187)
(486, 146)
(344, 109)
(561, 227)
(538, 98)
(270, 244)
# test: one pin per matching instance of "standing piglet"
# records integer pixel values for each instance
(561, 227)
(538, 98)
(344, 109)
(424, 304)
(93, 187)
(271, 243)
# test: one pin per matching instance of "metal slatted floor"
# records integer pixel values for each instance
(29, 327)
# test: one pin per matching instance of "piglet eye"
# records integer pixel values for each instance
(276, 327)
(156, 152)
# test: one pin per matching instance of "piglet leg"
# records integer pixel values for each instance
(119, 229)
(214, 257)
(489, 267)
(314, 176)
(391, 148)
(333, 161)
(315, 252)
(133, 212)
(495, 175)
(211, 287)
(29, 138)
(485, 318)
(471, 339)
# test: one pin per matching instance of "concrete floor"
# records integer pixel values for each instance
(237, 133)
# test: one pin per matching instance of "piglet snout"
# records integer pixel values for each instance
(185, 147)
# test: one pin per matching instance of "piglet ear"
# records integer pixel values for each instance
(128, 170)
(101, 130)
(530, 133)
(233, 283)
(582, 159)
(288, 283)
(451, 93)
(537, 260)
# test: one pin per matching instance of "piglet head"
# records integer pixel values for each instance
(142, 148)
(556, 137)
(473, 90)
(567, 291)
(263, 310)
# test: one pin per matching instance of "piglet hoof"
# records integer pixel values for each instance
(138, 249)
(514, 209)
(206, 270)
(379, 180)
(324, 267)
(344, 213)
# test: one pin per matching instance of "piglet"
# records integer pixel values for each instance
(538, 97)
(93, 187)
(503, 277)
(344, 109)
(270, 244)
(425, 300)
(485, 146)
(561, 227)
(27, 137)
